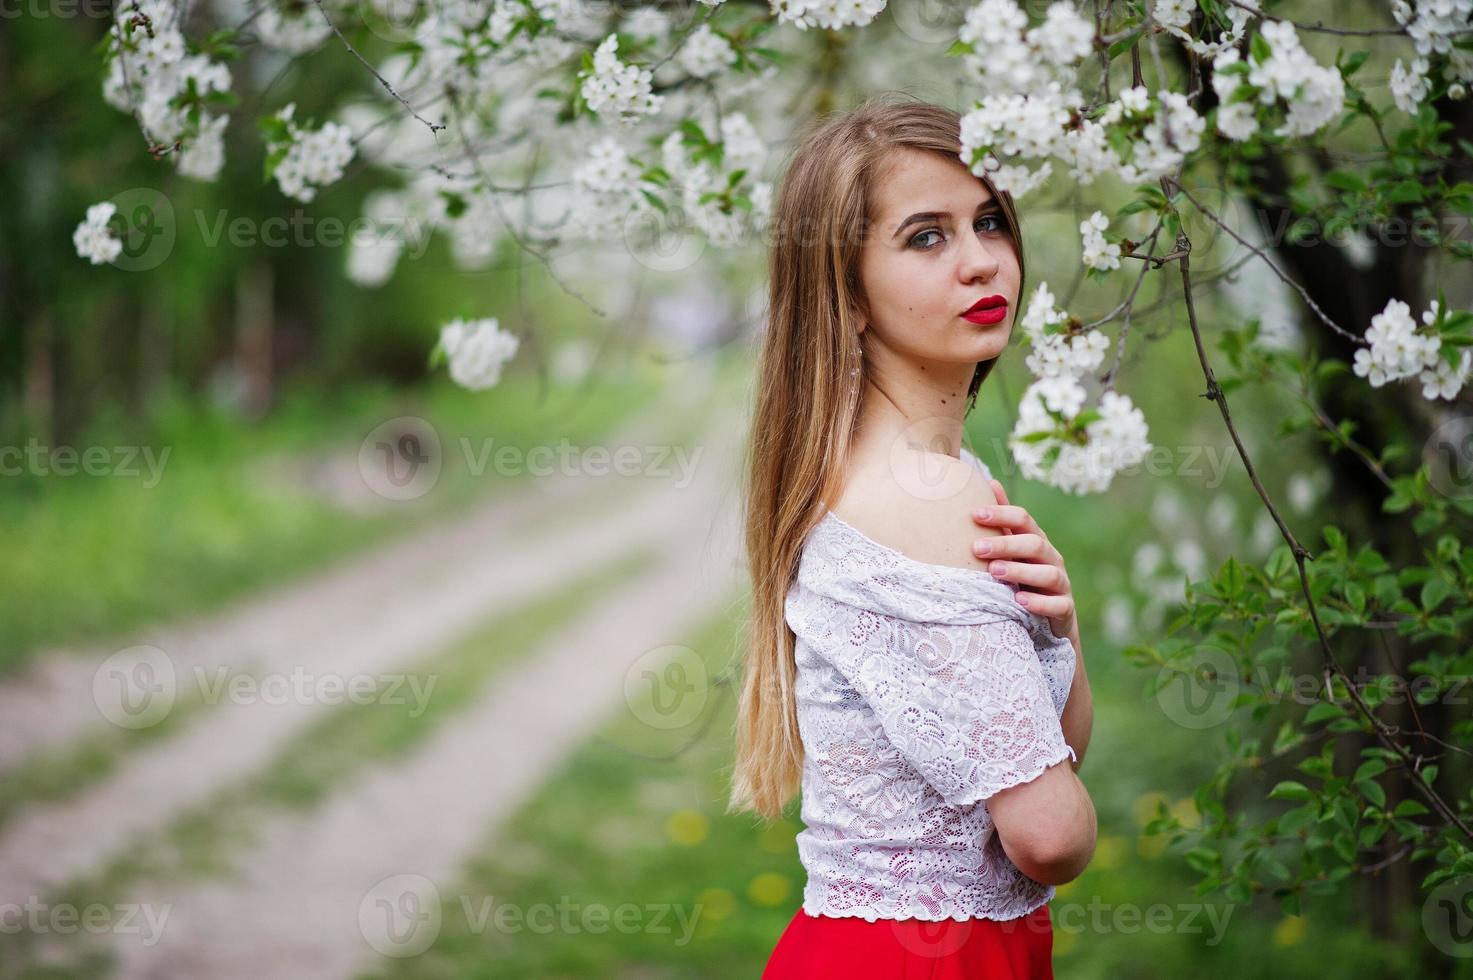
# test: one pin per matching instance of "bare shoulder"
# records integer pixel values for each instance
(919, 503)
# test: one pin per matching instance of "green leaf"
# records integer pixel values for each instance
(1260, 49)
(1204, 860)
(1124, 44)
(1353, 63)
(655, 201)
(1434, 591)
(1288, 789)
(1404, 192)
(1345, 180)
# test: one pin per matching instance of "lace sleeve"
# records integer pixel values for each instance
(967, 705)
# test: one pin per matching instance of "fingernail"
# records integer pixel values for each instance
(984, 547)
(996, 568)
(985, 514)
(1022, 599)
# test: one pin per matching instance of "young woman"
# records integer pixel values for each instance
(914, 658)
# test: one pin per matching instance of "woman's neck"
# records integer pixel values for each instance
(923, 416)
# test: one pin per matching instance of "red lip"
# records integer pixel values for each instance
(984, 303)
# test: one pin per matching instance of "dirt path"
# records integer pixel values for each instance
(380, 615)
(311, 899)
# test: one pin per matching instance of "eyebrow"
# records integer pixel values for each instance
(990, 203)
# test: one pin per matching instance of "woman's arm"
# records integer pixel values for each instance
(1079, 711)
(1047, 826)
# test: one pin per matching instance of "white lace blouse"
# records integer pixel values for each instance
(922, 690)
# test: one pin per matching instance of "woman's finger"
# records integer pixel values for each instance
(1002, 516)
(1025, 545)
(1041, 577)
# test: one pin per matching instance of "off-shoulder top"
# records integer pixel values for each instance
(922, 690)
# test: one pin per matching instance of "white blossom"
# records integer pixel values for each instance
(1396, 349)
(1311, 94)
(1110, 443)
(314, 158)
(293, 31)
(150, 72)
(1173, 13)
(608, 189)
(1302, 492)
(1098, 253)
(828, 14)
(1444, 380)
(1115, 441)
(618, 92)
(1237, 120)
(93, 240)
(1008, 125)
(1008, 56)
(477, 350)
(1065, 36)
(1409, 86)
(203, 155)
(392, 221)
(650, 23)
(705, 53)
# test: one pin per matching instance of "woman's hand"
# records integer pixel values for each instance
(1023, 554)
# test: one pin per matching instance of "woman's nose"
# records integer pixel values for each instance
(979, 261)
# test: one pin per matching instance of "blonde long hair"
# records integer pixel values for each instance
(807, 401)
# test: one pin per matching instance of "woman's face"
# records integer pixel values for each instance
(939, 244)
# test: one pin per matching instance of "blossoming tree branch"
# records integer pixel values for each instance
(640, 115)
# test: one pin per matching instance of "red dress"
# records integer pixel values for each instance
(850, 948)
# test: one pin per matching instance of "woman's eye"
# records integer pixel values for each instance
(992, 223)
